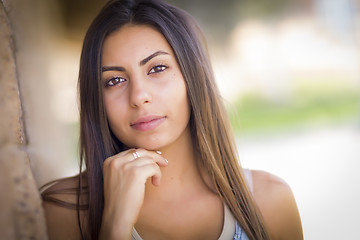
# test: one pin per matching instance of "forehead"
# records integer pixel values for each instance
(133, 42)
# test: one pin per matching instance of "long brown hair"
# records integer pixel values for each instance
(209, 124)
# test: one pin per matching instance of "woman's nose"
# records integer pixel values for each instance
(139, 93)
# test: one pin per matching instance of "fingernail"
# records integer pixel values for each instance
(159, 152)
(166, 160)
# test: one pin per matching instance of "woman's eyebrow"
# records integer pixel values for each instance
(145, 60)
(120, 69)
(142, 62)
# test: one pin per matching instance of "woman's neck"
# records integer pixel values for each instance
(182, 171)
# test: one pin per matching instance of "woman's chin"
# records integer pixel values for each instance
(150, 146)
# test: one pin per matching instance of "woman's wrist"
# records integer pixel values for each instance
(115, 229)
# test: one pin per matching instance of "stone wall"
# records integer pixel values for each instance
(21, 214)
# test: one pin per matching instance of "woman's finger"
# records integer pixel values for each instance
(134, 154)
(156, 155)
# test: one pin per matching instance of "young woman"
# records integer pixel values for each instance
(160, 160)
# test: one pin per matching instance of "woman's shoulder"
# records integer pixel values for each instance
(277, 205)
(60, 199)
(265, 181)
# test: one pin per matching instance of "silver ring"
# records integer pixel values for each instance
(135, 155)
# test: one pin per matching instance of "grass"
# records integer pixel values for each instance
(306, 106)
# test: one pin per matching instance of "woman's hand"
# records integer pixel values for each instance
(125, 175)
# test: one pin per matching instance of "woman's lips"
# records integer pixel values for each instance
(147, 123)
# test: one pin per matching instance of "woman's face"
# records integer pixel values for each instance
(144, 91)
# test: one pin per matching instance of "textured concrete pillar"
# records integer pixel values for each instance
(21, 214)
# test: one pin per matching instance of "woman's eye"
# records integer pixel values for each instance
(113, 81)
(158, 68)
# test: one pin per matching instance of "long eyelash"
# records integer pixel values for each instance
(159, 65)
(106, 83)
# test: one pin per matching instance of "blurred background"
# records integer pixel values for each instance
(289, 72)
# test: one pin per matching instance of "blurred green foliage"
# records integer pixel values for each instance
(253, 113)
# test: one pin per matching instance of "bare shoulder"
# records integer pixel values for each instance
(277, 205)
(60, 206)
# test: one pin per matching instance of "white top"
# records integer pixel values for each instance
(229, 226)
